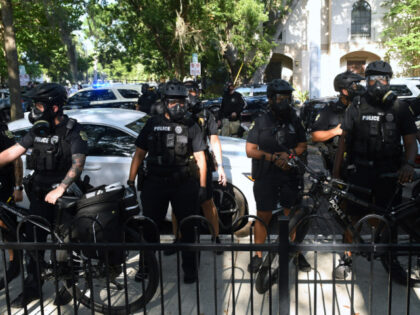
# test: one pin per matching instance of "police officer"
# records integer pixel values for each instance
(271, 137)
(230, 110)
(327, 127)
(372, 129)
(11, 190)
(175, 147)
(146, 100)
(56, 149)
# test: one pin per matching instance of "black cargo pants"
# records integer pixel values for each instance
(183, 194)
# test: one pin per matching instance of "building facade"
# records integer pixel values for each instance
(322, 38)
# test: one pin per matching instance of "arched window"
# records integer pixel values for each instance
(360, 19)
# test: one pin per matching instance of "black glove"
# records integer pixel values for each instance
(202, 195)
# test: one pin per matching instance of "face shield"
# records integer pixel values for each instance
(280, 105)
(176, 108)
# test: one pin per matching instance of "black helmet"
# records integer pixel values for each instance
(144, 88)
(48, 93)
(379, 67)
(175, 88)
(345, 79)
(278, 86)
(191, 85)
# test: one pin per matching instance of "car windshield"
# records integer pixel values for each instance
(138, 124)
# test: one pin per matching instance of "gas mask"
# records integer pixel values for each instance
(194, 103)
(380, 93)
(355, 90)
(176, 112)
(281, 108)
(42, 120)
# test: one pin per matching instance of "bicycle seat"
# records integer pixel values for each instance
(66, 202)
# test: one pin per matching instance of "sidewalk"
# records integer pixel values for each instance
(244, 296)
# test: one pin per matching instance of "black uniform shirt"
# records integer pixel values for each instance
(146, 101)
(328, 118)
(77, 141)
(232, 103)
(7, 140)
(207, 122)
(405, 120)
(263, 133)
(195, 137)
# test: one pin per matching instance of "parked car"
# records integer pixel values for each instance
(311, 108)
(109, 95)
(111, 136)
(405, 87)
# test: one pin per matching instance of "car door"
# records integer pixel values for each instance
(104, 98)
(109, 156)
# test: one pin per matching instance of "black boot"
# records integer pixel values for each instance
(11, 272)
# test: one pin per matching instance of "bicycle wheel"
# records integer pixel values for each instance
(138, 293)
(399, 263)
(297, 228)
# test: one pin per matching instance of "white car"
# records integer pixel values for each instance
(111, 135)
(405, 87)
(105, 95)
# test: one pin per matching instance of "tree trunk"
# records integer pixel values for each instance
(58, 19)
(16, 111)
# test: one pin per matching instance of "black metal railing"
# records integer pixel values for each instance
(96, 286)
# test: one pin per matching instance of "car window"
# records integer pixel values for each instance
(108, 141)
(401, 89)
(138, 124)
(83, 96)
(102, 95)
(129, 93)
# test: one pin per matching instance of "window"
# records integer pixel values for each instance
(108, 141)
(138, 124)
(102, 95)
(81, 97)
(356, 66)
(129, 93)
(401, 90)
(360, 19)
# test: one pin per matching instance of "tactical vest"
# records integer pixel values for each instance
(8, 169)
(168, 145)
(51, 153)
(375, 139)
(285, 134)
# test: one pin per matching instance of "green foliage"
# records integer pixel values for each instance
(38, 40)
(403, 34)
(302, 96)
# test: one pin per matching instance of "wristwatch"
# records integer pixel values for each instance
(20, 187)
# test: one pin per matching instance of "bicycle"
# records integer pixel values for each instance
(92, 282)
(403, 217)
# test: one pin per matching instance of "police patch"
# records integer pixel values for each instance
(201, 121)
(83, 135)
(252, 125)
(389, 117)
(9, 134)
(178, 129)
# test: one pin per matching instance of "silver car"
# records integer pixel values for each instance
(111, 135)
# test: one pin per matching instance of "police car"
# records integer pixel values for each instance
(105, 95)
(111, 135)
